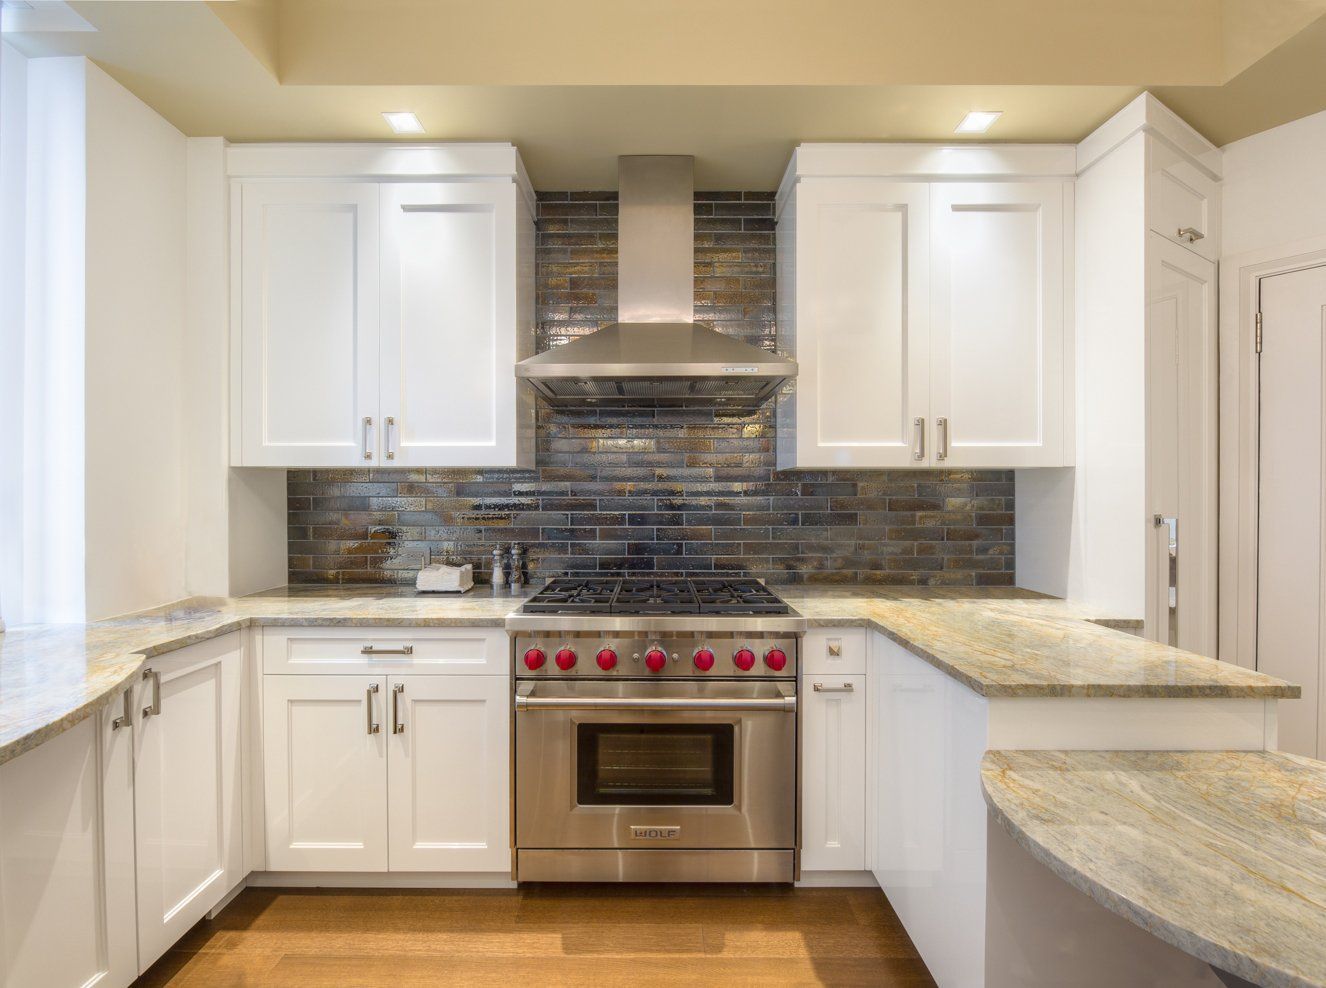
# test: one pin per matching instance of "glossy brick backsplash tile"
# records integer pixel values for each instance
(667, 491)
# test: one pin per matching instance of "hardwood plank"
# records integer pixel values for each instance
(637, 935)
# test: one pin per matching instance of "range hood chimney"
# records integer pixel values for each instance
(656, 355)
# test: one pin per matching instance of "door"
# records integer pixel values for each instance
(833, 777)
(186, 789)
(449, 324)
(1290, 524)
(448, 761)
(1181, 447)
(67, 859)
(309, 324)
(325, 773)
(997, 377)
(862, 309)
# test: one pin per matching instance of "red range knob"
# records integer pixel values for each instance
(534, 658)
(565, 659)
(744, 659)
(655, 659)
(606, 659)
(704, 660)
(775, 659)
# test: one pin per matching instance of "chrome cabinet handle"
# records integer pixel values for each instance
(1191, 234)
(387, 425)
(374, 650)
(368, 432)
(835, 647)
(126, 718)
(918, 439)
(844, 688)
(155, 706)
(372, 727)
(396, 726)
(786, 704)
(1170, 551)
(941, 427)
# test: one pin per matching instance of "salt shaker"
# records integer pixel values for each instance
(517, 565)
(499, 571)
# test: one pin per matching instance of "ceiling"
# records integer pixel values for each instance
(737, 83)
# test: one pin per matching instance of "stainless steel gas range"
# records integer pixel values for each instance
(655, 732)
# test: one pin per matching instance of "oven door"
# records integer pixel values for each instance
(655, 765)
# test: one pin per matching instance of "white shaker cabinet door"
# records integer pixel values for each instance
(833, 780)
(856, 307)
(67, 859)
(452, 324)
(998, 323)
(187, 798)
(325, 779)
(308, 273)
(448, 777)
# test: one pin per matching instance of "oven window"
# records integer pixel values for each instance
(654, 764)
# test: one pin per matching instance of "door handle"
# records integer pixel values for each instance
(396, 726)
(151, 675)
(388, 424)
(785, 704)
(126, 717)
(918, 439)
(368, 432)
(372, 727)
(941, 428)
(844, 688)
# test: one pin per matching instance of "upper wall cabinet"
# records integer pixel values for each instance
(931, 319)
(378, 319)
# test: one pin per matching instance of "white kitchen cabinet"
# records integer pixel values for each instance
(379, 318)
(307, 269)
(998, 323)
(1182, 204)
(856, 253)
(456, 316)
(187, 799)
(448, 787)
(325, 775)
(67, 859)
(929, 313)
(833, 776)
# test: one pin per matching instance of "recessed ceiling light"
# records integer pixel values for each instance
(403, 122)
(978, 121)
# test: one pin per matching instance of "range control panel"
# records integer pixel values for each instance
(641, 656)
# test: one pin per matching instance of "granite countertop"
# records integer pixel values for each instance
(998, 642)
(1220, 853)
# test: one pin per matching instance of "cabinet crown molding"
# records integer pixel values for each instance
(1146, 114)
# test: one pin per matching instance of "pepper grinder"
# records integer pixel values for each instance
(517, 565)
(499, 570)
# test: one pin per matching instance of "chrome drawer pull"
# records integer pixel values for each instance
(368, 428)
(374, 650)
(127, 717)
(1191, 234)
(368, 705)
(918, 439)
(844, 688)
(941, 426)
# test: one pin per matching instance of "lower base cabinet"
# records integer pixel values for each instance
(833, 777)
(387, 773)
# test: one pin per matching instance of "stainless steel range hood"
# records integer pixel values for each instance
(656, 355)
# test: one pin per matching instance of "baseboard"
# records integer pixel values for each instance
(837, 880)
(382, 879)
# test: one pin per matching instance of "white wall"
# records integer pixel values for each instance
(135, 352)
(1274, 190)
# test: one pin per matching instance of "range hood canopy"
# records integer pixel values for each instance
(657, 355)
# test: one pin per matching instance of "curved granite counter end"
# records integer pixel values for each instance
(1221, 854)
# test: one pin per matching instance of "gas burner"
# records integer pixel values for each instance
(594, 596)
(737, 596)
(570, 595)
(655, 597)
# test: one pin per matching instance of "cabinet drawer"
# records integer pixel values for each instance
(834, 652)
(443, 651)
(1183, 199)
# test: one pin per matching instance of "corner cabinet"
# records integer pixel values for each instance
(931, 319)
(377, 321)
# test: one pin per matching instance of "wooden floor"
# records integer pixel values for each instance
(548, 935)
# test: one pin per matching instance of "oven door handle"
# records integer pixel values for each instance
(783, 704)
